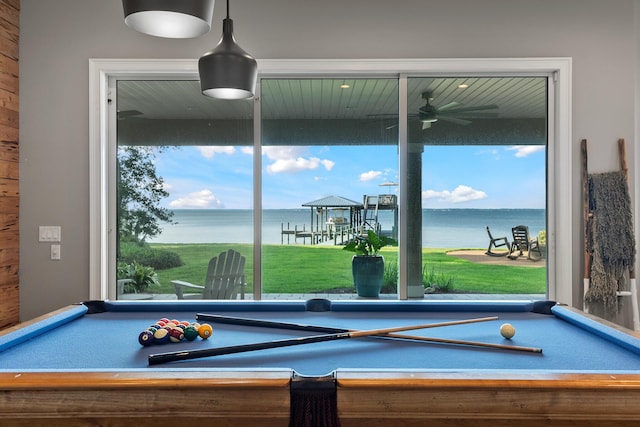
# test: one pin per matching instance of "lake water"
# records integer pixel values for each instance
(442, 228)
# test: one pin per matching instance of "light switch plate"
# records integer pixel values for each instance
(55, 252)
(50, 233)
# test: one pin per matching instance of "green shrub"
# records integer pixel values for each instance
(143, 276)
(390, 279)
(159, 259)
(437, 281)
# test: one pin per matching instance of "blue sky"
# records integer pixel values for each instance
(452, 177)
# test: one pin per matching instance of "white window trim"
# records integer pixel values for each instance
(101, 197)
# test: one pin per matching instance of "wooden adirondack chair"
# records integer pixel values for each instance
(523, 242)
(224, 280)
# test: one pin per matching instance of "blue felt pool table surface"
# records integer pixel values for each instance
(108, 340)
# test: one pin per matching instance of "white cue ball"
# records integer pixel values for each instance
(507, 330)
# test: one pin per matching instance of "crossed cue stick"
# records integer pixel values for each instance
(331, 330)
(331, 334)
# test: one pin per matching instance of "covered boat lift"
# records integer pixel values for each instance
(338, 219)
(327, 224)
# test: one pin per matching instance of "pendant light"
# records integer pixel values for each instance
(228, 72)
(176, 19)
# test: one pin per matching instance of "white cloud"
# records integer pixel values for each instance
(525, 150)
(247, 150)
(292, 160)
(197, 199)
(209, 151)
(460, 194)
(299, 164)
(328, 164)
(371, 175)
(282, 152)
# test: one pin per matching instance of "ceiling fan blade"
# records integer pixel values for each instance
(448, 106)
(460, 122)
(476, 108)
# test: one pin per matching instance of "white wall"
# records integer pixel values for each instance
(59, 36)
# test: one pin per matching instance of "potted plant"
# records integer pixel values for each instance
(367, 265)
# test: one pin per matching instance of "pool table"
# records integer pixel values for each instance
(83, 365)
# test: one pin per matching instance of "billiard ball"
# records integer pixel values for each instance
(507, 330)
(205, 331)
(176, 335)
(145, 338)
(161, 336)
(190, 333)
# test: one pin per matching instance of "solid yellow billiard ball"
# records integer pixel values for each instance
(507, 330)
(205, 331)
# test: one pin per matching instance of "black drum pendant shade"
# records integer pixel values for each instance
(228, 72)
(169, 18)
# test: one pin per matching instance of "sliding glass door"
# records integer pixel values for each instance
(459, 162)
(329, 149)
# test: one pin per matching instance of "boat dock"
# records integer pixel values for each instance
(336, 235)
(335, 220)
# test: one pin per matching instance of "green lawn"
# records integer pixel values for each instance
(305, 269)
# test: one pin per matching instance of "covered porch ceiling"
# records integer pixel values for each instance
(318, 111)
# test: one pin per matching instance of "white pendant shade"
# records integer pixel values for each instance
(169, 18)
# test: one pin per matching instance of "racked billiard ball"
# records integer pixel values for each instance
(176, 335)
(161, 336)
(190, 333)
(205, 331)
(145, 338)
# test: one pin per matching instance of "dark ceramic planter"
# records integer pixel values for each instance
(368, 273)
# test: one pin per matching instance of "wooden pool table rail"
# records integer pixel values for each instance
(516, 399)
(364, 398)
(143, 398)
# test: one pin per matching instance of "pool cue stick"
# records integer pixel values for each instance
(243, 321)
(327, 329)
(464, 342)
(155, 359)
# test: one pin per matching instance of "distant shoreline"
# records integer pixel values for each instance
(441, 228)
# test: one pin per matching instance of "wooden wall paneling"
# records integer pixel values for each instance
(9, 163)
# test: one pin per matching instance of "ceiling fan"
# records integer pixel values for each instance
(451, 112)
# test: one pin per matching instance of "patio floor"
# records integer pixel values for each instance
(349, 296)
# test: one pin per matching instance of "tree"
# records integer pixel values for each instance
(140, 191)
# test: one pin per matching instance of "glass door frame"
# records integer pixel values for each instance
(102, 147)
